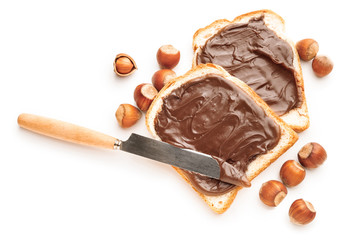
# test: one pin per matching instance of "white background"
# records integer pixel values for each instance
(56, 60)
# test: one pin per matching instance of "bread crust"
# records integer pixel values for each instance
(296, 118)
(221, 203)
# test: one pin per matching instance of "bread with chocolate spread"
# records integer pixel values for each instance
(210, 111)
(253, 47)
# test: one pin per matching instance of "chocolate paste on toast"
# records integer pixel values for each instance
(256, 55)
(214, 116)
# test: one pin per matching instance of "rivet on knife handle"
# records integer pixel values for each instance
(117, 144)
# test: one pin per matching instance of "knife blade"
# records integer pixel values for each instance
(136, 144)
(169, 154)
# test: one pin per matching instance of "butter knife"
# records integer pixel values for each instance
(136, 144)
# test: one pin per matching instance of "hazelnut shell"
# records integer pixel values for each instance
(127, 115)
(301, 212)
(312, 155)
(272, 193)
(162, 77)
(292, 173)
(307, 49)
(168, 56)
(144, 95)
(322, 66)
(124, 65)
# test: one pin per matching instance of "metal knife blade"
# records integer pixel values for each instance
(169, 154)
(136, 144)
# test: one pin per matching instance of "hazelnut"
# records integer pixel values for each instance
(322, 66)
(307, 49)
(168, 56)
(292, 173)
(301, 212)
(272, 193)
(127, 115)
(312, 155)
(162, 77)
(144, 95)
(124, 65)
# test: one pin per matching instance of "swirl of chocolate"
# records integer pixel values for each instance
(256, 55)
(214, 116)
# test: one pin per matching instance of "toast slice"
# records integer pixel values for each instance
(297, 117)
(288, 137)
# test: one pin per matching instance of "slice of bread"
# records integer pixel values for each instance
(288, 137)
(297, 118)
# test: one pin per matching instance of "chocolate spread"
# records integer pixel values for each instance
(255, 54)
(214, 116)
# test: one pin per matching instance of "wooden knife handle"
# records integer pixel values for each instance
(66, 131)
